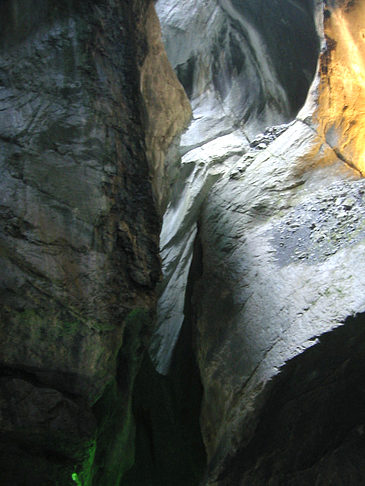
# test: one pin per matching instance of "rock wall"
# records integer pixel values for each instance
(310, 429)
(278, 213)
(342, 95)
(241, 78)
(167, 109)
(79, 231)
(260, 315)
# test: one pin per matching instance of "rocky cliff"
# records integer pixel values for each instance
(79, 230)
(272, 194)
(255, 362)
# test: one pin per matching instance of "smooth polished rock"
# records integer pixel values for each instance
(232, 101)
(267, 290)
(281, 229)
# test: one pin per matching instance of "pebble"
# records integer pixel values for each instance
(234, 174)
(349, 202)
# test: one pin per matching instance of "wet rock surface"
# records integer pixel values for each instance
(79, 233)
(216, 50)
(68, 172)
(260, 317)
(268, 288)
(279, 220)
(234, 66)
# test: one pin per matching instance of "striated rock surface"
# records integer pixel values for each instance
(282, 265)
(79, 230)
(257, 361)
(277, 211)
(341, 95)
(239, 83)
(168, 112)
(243, 64)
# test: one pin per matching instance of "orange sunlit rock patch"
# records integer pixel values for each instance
(341, 113)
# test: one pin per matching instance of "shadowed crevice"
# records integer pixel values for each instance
(311, 428)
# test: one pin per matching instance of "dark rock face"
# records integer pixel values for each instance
(289, 32)
(311, 429)
(74, 185)
(169, 447)
(78, 235)
(44, 434)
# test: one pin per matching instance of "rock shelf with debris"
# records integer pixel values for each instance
(322, 225)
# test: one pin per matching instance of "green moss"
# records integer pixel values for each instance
(69, 327)
(116, 430)
(85, 474)
(75, 478)
(29, 317)
(105, 457)
(137, 325)
(58, 326)
(137, 318)
(100, 326)
(115, 440)
(169, 447)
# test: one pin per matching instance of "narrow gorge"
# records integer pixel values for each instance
(182, 232)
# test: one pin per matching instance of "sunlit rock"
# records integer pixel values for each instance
(340, 113)
(280, 228)
(167, 108)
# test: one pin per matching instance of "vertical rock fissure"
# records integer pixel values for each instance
(282, 232)
(169, 447)
(238, 75)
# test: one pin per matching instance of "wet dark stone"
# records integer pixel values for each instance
(311, 428)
